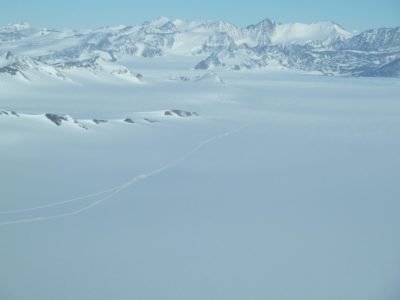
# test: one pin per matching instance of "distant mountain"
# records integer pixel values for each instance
(382, 39)
(28, 69)
(323, 47)
(25, 67)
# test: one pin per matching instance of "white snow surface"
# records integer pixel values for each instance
(285, 186)
(300, 33)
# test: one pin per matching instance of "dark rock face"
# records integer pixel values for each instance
(180, 113)
(391, 69)
(12, 70)
(80, 124)
(6, 113)
(183, 78)
(139, 76)
(152, 52)
(97, 121)
(129, 120)
(169, 26)
(9, 55)
(211, 60)
(56, 119)
(150, 120)
(90, 64)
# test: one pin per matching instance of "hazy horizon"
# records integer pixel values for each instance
(357, 15)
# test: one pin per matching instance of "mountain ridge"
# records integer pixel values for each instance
(324, 47)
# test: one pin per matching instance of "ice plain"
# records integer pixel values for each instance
(285, 186)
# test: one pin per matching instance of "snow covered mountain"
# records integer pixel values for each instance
(323, 47)
(25, 67)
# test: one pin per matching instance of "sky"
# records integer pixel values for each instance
(351, 14)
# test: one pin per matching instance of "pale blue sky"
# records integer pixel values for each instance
(352, 14)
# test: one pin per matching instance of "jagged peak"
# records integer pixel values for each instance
(267, 21)
(266, 24)
(160, 21)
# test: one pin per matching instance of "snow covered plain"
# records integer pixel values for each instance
(285, 186)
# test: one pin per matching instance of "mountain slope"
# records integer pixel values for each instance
(26, 68)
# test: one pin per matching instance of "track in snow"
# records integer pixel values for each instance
(112, 192)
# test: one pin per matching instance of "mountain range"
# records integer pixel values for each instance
(324, 47)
